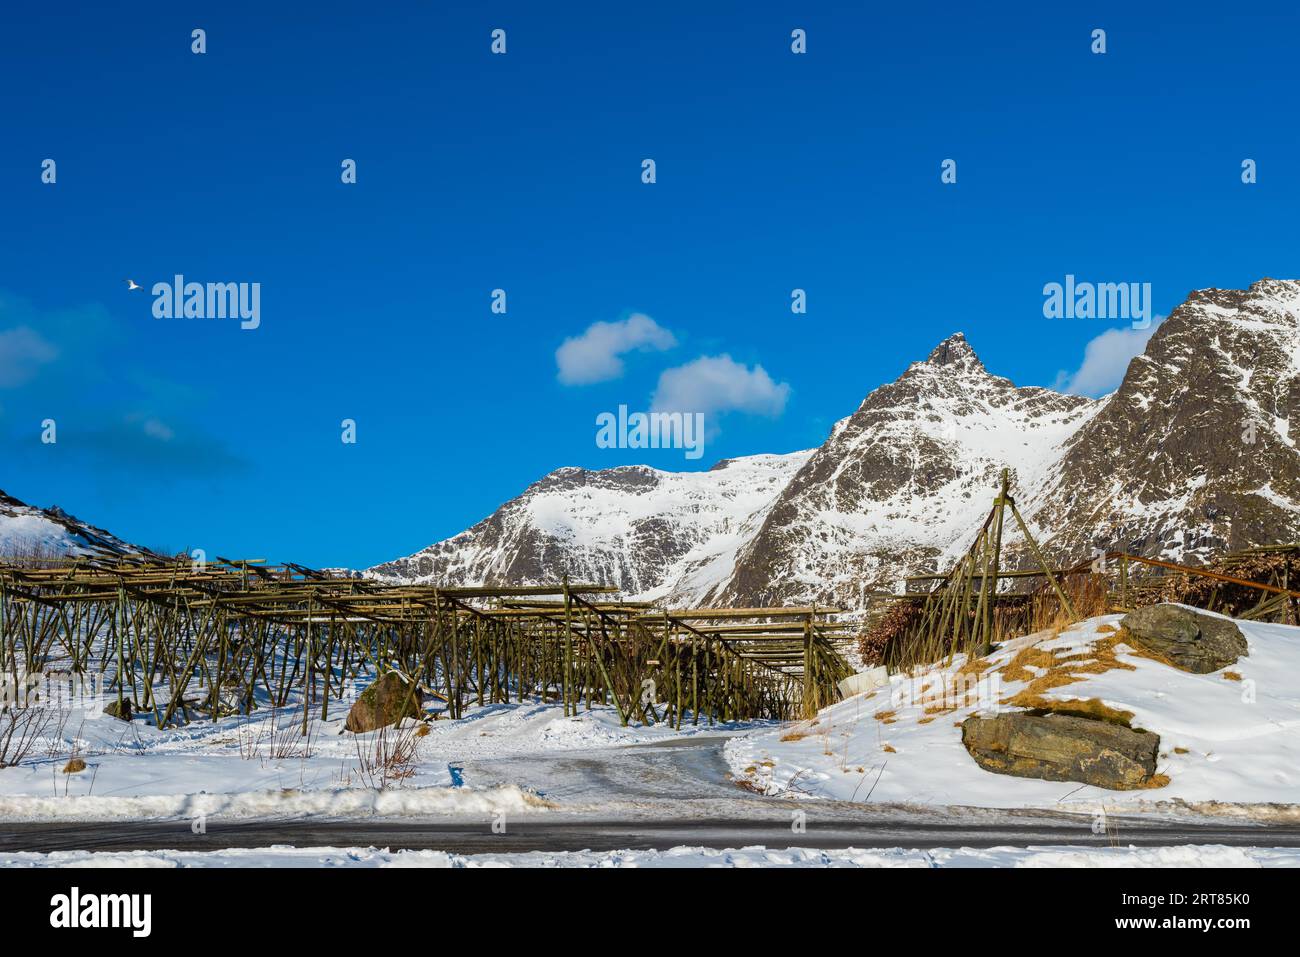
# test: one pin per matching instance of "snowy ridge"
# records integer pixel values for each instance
(634, 526)
(1196, 452)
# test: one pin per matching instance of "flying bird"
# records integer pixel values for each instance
(132, 285)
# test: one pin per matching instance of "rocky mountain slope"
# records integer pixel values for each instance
(902, 482)
(1195, 452)
(1197, 449)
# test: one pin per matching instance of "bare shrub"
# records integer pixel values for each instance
(277, 737)
(30, 553)
(24, 729)
(389, 757)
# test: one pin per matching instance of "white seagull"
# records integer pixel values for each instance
(132, 285)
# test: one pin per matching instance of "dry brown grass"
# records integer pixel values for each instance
(1059, 670)
(886, 717)
(1017, 669)
(1099, 659)
(1035, 689)
(800, 729)
(1093, 708)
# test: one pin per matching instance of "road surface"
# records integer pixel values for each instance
(654, 796)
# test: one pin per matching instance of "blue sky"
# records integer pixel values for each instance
(775, 171)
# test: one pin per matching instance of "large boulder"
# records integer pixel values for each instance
(387, 701)
(1188, 639)
(1058, 747)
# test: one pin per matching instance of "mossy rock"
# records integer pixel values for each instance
(121, 710)
(387, 701)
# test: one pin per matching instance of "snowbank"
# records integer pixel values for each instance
(1229, 737)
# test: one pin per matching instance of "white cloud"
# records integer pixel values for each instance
(1105, 360)
(594, 355)
(718, 384)
(157, 429)
(22, 350)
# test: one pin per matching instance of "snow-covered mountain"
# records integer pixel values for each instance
(1197, 449)
(647, 531)
(1195, 452)
(30, 532)
(902, 483)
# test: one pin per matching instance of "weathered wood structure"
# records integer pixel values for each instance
(979, 602)
(181, 640)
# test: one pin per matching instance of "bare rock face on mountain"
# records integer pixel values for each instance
(899, 483)
(1195, 452)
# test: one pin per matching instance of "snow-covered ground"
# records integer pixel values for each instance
(1229, 737)
(1230, 747)
(1128, 857)
(242, 767)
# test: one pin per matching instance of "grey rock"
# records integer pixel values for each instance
(1056, 747)
(1191, 640)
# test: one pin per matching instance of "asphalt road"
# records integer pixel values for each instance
(462, 837)
(654, 796)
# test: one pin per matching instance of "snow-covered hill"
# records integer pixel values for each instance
(1228, 737)
(30, 532)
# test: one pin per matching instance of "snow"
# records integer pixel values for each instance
(1227, 743)
(1190, 856)
(331, 802)
(32, 531)
(1221, 740)
(25, 529)
(603, 521)
(230, 767)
